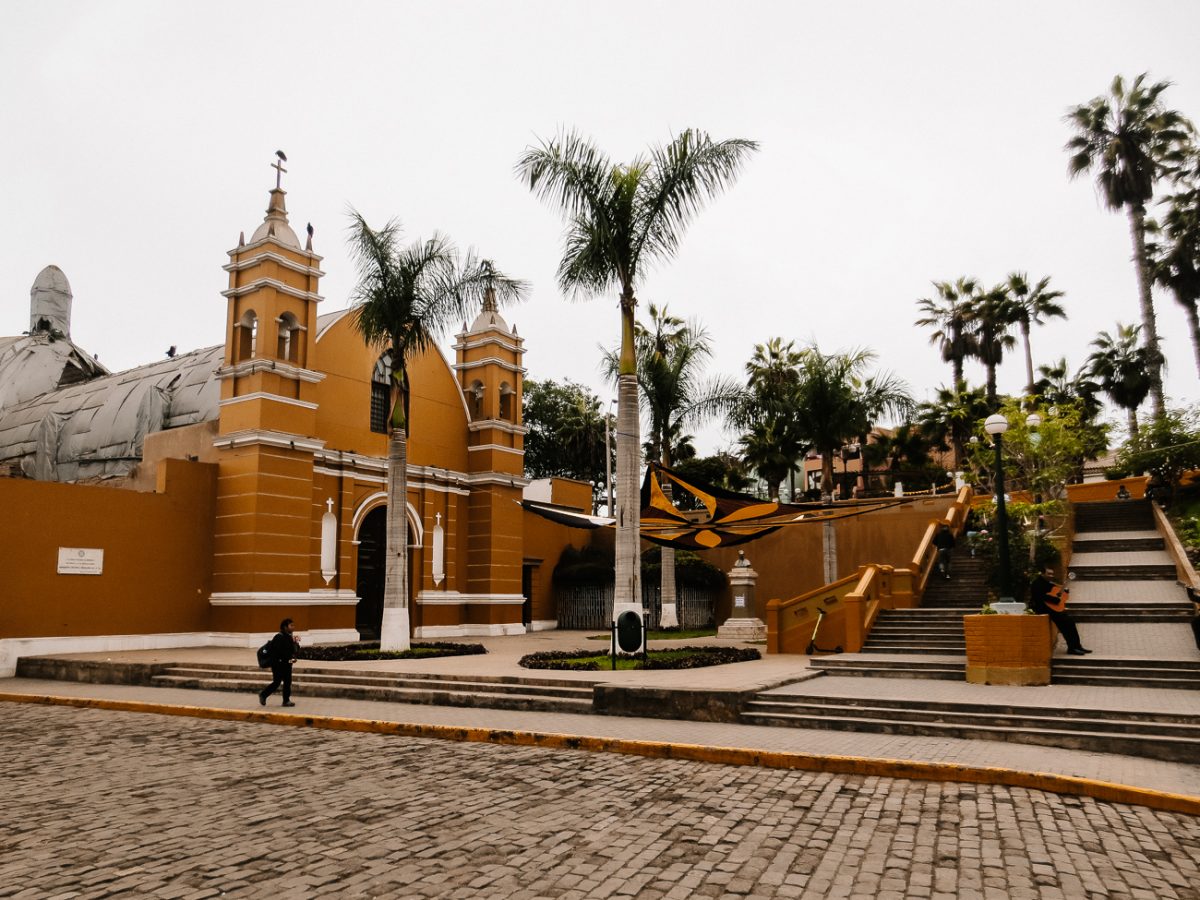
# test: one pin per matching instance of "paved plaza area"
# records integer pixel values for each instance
(111, 804)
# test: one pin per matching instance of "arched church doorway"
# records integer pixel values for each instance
(372, 558)
(372, 568)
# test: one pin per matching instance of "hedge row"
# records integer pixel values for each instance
(363, 650)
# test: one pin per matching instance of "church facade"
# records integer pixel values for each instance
(266, 457)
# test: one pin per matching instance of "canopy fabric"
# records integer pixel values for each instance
(725, 520)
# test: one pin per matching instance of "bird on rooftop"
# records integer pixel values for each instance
(281, 155)
(171, 352)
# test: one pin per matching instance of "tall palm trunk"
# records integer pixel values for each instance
(1194, 328)
(628, 588)
(1137, 228)
(827, 476)
(1131, 413)
(394, 633)
(1028, 358)
(670, 611)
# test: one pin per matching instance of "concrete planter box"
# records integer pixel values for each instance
(1008, 649)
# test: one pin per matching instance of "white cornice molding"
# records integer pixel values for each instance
(317, 597)
(467, 340)
(498, 425)
(454, 598)
(483, 479)
(260, 364)
(352, 475)
(490, 361)
(262, 395)
(266, 242)
(259, 283)
(269, 439)
(498, 447)
(244, 263)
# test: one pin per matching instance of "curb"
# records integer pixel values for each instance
(730, 756)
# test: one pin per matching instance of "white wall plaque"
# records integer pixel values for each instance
(80, 561)
(739, 600)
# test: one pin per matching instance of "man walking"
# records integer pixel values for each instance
(283, 654)
(944, 541)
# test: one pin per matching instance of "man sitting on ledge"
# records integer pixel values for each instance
(1049, 599)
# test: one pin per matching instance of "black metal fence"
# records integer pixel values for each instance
(588, 607)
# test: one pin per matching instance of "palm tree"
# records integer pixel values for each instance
(952, 415)
(1130, 139)
(620, 218)
(771, 440)
(404, 300)
(1032, 306)
(1057, 387)
(989, 315)
(1123, 370)
(837, 402)
(947, 313)
(671, 357)
(1174, 258)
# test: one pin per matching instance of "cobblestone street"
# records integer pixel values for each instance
(107, 804)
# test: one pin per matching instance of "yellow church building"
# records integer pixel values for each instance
(201, 498)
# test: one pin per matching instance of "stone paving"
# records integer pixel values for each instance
(105, 804)
(1175, 778)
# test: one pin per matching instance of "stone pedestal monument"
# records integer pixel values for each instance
(745, 622)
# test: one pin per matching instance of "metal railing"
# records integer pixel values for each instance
(586, 607)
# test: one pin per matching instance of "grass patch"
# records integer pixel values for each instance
(368, 650)
(670, 634)
(677, 658)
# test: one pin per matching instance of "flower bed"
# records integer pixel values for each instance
(676, 658)
(367, 650)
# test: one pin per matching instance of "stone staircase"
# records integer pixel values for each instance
(947, 668)
(495, 692)
(1127, 672)
(926, 631)
(933, 629)
(1114, 515)
(965, 589)
(1152, 735)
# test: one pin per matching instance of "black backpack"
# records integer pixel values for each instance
(264, 656)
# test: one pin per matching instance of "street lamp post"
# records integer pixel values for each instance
(996, 425)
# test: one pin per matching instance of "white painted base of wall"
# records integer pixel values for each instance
(469, 630)
(393, 633)
(12, 649)
(543, 625)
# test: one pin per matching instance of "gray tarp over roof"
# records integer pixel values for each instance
(96, 429)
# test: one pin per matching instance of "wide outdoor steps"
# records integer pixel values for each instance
(1131, 611)
(966, 586)
(1114, 515)
(1153, 735)
(495, 692)
(929, 631)
(946, 668)
(1161, 673)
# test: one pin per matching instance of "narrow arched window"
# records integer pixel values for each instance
(381, 394)
(475, 400)
(289, 331)
(246, 335)
(506, 401)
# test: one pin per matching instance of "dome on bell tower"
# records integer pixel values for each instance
(50, 302)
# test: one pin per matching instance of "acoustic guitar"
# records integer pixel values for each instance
(1057, 598)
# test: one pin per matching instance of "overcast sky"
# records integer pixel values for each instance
(900, 143)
